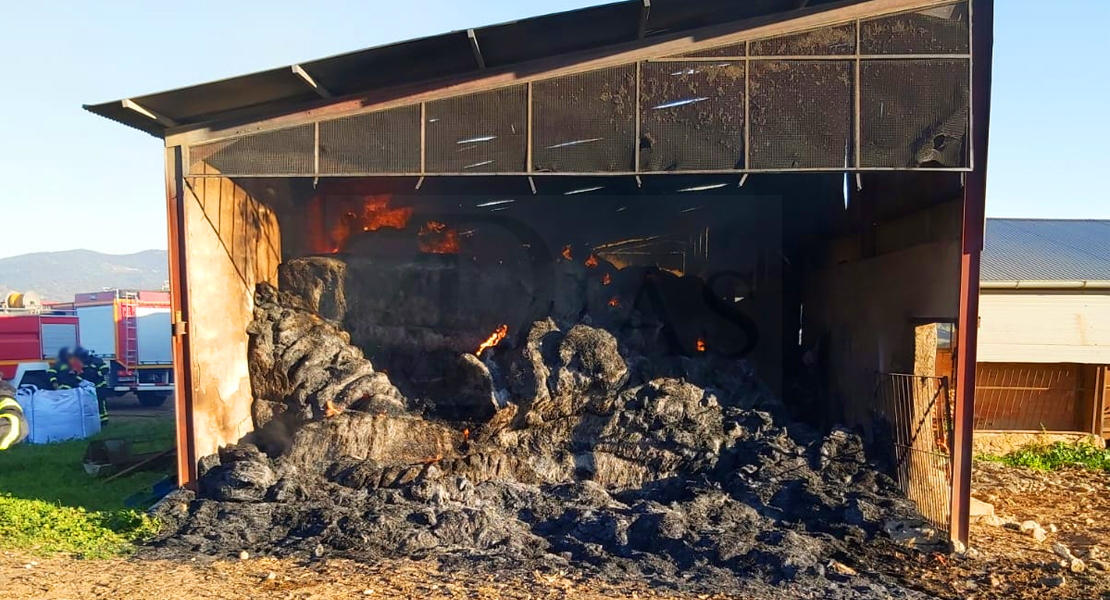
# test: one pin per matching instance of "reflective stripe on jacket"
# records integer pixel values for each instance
(13, 427)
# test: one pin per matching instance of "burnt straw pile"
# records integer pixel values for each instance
(562, 448)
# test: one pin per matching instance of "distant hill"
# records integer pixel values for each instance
(57, 276)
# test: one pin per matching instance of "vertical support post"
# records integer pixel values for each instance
(423, 137)
(974, 222)
(179, 311)
(528, 149)
(637, 135)
(747, 106)
(857, 108)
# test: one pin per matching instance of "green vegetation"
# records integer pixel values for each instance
(49, 504)
(1055, 456)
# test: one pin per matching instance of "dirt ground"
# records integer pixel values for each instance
(1005, 563)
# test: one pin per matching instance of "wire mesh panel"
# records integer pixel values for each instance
(737, 50)
(914, 113)
(917, 412)
(585, 122)
(282, 152)
(691, 116)
(937, 30)
(379, 142)
(1027, 397)
(828, 41)
(478, 133)
(801, 114)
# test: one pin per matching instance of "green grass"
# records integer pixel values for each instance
(1056, 456)
(49, 504)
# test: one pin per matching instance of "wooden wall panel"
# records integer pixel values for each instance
(233, 243)
(1044, 327)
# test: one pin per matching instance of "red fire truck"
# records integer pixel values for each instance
(129, 330)
(30, 340)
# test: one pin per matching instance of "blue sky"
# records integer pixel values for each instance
(74, 180)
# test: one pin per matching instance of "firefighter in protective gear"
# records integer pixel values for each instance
(96, 371)
(13, 427)
(65, 373)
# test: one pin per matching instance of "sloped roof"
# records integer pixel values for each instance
(437, 57)
(1046, 250)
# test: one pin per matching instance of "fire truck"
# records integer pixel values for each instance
(130, 330)
(31, 336)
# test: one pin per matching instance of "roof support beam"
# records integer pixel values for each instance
(299, 71)
(473, 37)
(161, 119)
(645, 10)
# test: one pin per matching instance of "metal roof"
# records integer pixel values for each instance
(437, 57)
(1046, 250)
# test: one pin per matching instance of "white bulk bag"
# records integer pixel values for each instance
(57, 415)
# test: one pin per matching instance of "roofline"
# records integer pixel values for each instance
(1047, 284)
(227, 123)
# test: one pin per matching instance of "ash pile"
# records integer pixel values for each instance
(562, 448)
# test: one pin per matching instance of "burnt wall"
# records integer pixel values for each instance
(232, 243)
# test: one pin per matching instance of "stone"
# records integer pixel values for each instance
(1040, 534)
(244, 555)
(993, 521)
(1062, 551)
(1055, 581)
(980, 510)
(1028, 526)
(1077, 565)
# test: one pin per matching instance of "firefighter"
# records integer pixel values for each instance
(13, 427)
(96, 371)
(63, 374)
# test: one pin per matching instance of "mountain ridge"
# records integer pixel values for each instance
(57, 276)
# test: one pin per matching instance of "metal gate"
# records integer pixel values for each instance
(918, 411)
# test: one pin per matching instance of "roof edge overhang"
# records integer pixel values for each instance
(278, 112)
(1047, 285)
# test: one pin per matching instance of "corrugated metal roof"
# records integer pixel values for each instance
(1046, 250)
(435, 57)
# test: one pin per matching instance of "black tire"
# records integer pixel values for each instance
(153, 399)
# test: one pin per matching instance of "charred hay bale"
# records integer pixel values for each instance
(301, 360)
(243, 475)
(320, 281)
(382, 438)
(589, 362)
(474, 397)
(528, 371)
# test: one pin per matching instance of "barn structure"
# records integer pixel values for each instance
(805, 181)
(1044, 332)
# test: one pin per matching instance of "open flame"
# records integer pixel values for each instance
(371, 213)
(700, 345)
(614, 302)
(591, 262)
(566, 252)
(332, 410)
(437, 238)
(606, 279)
(494, 339)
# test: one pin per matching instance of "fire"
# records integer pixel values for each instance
(494, 339)
(566, 252)
(466, 434)
(614, 302)
(332, 410)
(437, 238)
(700, 345)
(606, 279)
(591, 262)
(370, 213)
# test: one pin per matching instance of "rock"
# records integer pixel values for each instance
(1040, 534)
(1052, 528)
(1094, 553)
(1029, 527)
(244, 555)
(995, 580)
(1055, 581)
(993, 521)
(1062, 551)
(1077, 565)
(1099, 565)
(980, 510)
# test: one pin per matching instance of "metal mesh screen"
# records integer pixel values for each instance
(691, 116)
(801, 114)
(282, 152)
(914, 113)
(478, 133)
(379, 142)
(938, 30)
(836, 40)
(739, 49)
(585, 122)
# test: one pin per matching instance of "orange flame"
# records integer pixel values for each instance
(371, 213)
(614, 302)
(494, 339)
(332, 410)
(436, 238)
(606, 279)
(700, 345)
(466, 434)
(591, 262)
(566, 252)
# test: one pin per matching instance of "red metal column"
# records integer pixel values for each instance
(974, 222)
(179, 312)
